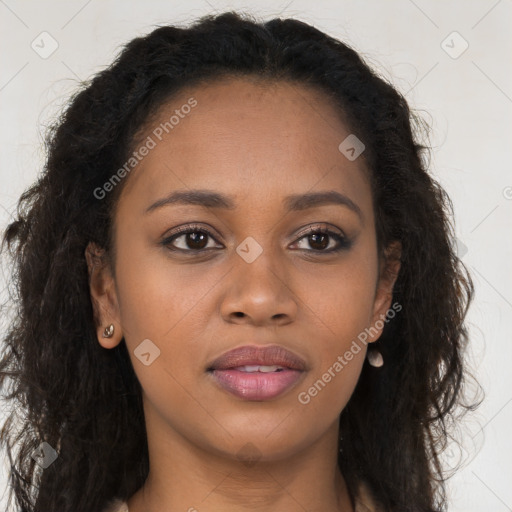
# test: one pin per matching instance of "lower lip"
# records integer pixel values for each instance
(256, 385)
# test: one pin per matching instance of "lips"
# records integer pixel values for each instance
(258, 356)
(257, 373)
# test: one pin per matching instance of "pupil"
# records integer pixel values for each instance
(315, 236)
(195, 237)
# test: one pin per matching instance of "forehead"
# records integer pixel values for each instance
(251, 139)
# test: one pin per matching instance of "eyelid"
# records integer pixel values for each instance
(190, 227)
(321, 226)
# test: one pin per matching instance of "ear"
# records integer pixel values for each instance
(388, 273)
(103, 295)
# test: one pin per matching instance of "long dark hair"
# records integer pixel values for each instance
(85, 401)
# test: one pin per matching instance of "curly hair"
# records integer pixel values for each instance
(86, 402)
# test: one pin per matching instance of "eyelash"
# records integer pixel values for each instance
(343, 243)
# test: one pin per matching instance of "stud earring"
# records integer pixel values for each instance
(375, 358)
(109, 331)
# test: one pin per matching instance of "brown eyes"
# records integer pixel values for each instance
(195, 240)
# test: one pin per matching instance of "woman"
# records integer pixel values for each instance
(237, 286)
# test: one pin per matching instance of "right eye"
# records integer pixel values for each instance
(190, 244)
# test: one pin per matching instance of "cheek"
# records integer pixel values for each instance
(165, 303)
(339, 300)
(325, 394)
(342, 312)
(158, 297)
(161, 303)
(340, 308)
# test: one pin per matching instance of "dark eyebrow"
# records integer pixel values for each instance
(296, 202)
(311, 199)
(205, 198)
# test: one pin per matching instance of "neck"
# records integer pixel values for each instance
(185, 477)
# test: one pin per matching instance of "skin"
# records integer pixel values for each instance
(258, 142)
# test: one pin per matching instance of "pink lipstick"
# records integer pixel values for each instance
(257, 373)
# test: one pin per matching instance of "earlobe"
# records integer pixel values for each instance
(103, 297)
(389, 270)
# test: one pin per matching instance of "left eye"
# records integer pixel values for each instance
(320, 237)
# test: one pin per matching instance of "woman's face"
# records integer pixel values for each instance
(258, 278)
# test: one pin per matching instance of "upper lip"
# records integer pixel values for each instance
(253, 355)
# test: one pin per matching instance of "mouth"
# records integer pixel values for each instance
(257, 373)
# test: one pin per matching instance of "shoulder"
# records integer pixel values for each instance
(116, 505)
(364, 501)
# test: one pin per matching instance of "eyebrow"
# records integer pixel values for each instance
(294, 202)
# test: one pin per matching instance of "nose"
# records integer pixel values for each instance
(259, 293)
